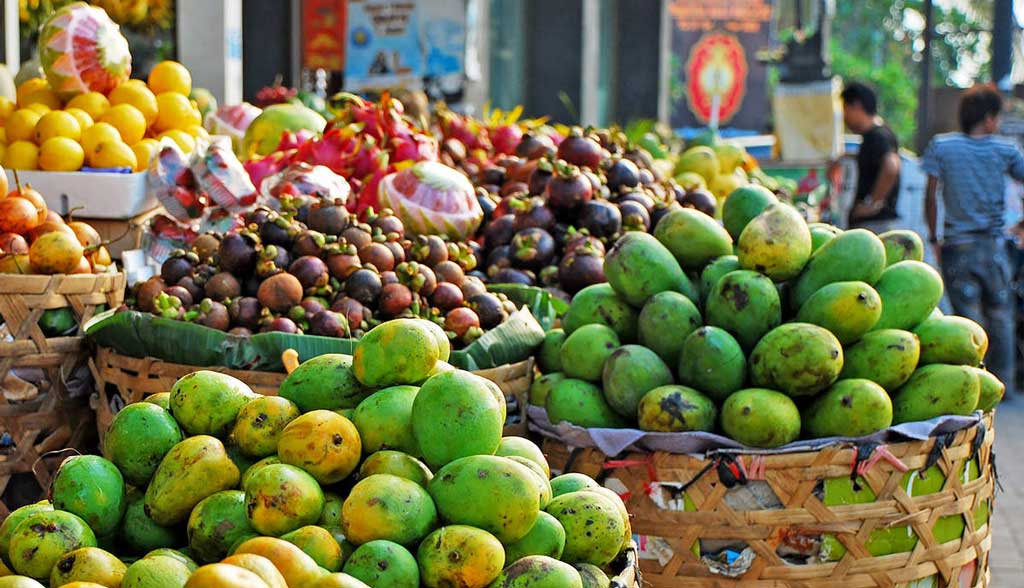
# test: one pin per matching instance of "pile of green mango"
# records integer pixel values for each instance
(764, 328)
(384, 469)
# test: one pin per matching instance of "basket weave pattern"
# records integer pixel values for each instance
(793, 478)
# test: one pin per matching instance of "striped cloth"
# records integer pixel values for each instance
(973, 174)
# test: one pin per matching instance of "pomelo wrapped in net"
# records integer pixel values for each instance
(82, 50)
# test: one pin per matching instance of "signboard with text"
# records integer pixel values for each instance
(383, 49)
(323, 34)
(714, 73)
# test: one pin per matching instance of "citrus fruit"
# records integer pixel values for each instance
(44, 96)
(92, 102)
(144, 151)
(38, 107)
(98, 133)
(21, 155)
(84, 119)
(170, 76)
(128, 121)
(61, 154)
(184, 140)
(198, 131)
(175, 112)
(21, 125)
(7, 106)
(112, 154)
(136, 82)
(29, 86)
(3, 136)
(138, 96)
(57, 123)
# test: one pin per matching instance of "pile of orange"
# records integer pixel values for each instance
(119, 130)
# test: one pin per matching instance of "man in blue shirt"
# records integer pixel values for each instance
(972, 166)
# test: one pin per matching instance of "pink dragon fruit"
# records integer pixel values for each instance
(266, 166)
(432, 199)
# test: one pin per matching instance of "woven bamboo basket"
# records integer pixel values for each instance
(36, 418)
(669, 532)
(123, 380)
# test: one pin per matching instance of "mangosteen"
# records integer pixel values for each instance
(311, 272)
(532, 248)
(206, 246)
(489, 308)
(353, 311)
(641, 157)
(500, 231)
(429, 249)
(278, 231)
(580, 269)
(492, 174)
(533, 213)
(237, 254)
(661, 209)
(500, 257)
(240, 332)
(279, 257)
(251, 285)
(280, 324)
(280, 292)
(639, 197)
(446, 297)
(395, 299)
(529, 143)
(473, 286)
(511, 275)
(646, 177)
(214, 315)
(342, 261)
(600, 218)
(308, 243)
(327, 323)
(429, 280)
(460, 321)
(583, 240)
(397, 251)
(222, 286)
(559, 294)
(364, 285)
(510, 188)
(568, 189)
(622, 173)
(389, 277)
(700, 199)
(358, 234)
(258, 215)
(311, 305)
(389, 224)
(176, 267)
(549, 275)
(183, 295)
(328, 216)
(539, 178)
(474, 259)
(189, 283)
(449, 271)
(580, 150)
(634, 216)
(378, 255)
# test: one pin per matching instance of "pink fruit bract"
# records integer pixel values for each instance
(432, 199)
(82, 50)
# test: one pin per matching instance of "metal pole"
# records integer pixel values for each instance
(1002, 42)
(924, 90)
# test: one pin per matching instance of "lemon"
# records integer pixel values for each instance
(175, 112)
(3, 136)
(39, 107)
(170, 76)
(144, 151)
(139, 96)
(92, 102)
(134, 82)
(61, 154)
(184, 140)
(29, 86)
(57, 123)
(45, 97)
(113, 154)
(21, 155)
(84, 120)
(128, 121)
(198, 131)
(7, 107)
(21, 125)
(98, 133)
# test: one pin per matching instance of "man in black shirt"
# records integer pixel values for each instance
(878, 161)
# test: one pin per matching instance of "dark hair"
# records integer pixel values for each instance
(977, 104)
(859, 93)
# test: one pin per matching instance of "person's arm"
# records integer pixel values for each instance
(888, 175)
(1016, 169)
(931, 208)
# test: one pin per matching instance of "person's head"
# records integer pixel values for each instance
(860, 106)
(980, 108)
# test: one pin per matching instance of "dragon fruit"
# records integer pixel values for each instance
(82, 50)
(432, 199)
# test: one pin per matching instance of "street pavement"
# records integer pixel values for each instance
(1007, 557)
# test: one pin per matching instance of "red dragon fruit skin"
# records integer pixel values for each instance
(505, 138)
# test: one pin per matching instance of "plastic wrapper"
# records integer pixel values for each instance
(302, 179)
(232, 121)
(223, 177)
(174, 184)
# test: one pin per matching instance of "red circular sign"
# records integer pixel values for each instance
(717, 65)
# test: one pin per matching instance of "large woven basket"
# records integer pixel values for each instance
(694, 507)
(123, 380)
(39, 417)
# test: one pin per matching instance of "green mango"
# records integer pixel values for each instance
(92, 488)
(319, 544)
(325, 382)
(542, 386)
(383, 564)
(714, 272)
(538, 571)
(140, 436)
(456, 414)
(582, 404)
(952, 339)
(540, 478)
(850, 408)
(776, 243)
(156, 572)
(593, 527)
(991, 390)
(548, 358)
(821, 234)
(572, 482)
(713, 362)
(847, 309)
(585, 350)
(384, 420)
(693, 237)
(217, 523)
(11, 523)
(742, 205)
(746, 304)
(207, 403)
(910, 290)
(902, 245)
(599, 304)
(546, 537)
(399, 351)
(161, 399)
(523, 447)
(758, 417)
(192, 470)
(629, 373)
(799, 359)
(43, 537)
(140, 534)
(638, 266)
(674, 409)
(387, 507)
(856, 255)
(259, 425)
(936, 390)
(593, 576)
(280, 498)
(887, 357)
(665, 321)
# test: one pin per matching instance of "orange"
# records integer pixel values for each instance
(184, 140)
(44, 96)
(21, 155)
(113, 154)
(21, 125)
(7, 106)
(57, 124)
(29, 86)
(198, 132)
(176, 111)
(128, 121)
(138, 96)
(61, 154)
(92, 102)
(39, 107)
(170, 76)
(97, 134)
(84, 119)
(144, 151)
